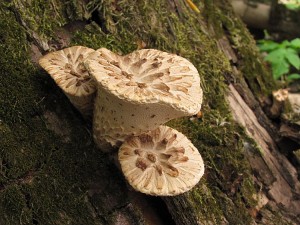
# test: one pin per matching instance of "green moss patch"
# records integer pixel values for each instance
(250, 62)
(44, 178)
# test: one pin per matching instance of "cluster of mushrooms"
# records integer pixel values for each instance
(130, 98)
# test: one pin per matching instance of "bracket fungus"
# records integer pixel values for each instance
(161, 162)
(135, 95)
(140, 91)
(67, 69)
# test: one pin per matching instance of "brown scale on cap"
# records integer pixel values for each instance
(139, 85)
(161, 162)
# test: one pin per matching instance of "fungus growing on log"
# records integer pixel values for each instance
(161, 162)
(140, 91)
(67, 69)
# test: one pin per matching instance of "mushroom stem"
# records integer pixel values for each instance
(140, 91)
(115, 119)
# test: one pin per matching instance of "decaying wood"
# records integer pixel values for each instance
(111, 201)
(254, 14)
(294, 99)
(274, 170)
(277, 176)
(270, 15)
(279, 98)
(290, 131)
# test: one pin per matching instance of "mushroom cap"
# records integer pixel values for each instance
(148, 76)
(67, 69)
(162, 162)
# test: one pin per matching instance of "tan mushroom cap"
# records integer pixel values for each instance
(148, 76)
(161, 162)
(67, 69)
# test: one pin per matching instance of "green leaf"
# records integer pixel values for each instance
(284, 44)
(295, 43)
(292, 6)
(293, 58)
(280, 69)
(276, 56)
(293, 76)
(267, 45)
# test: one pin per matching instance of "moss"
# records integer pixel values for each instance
(43, 177)
(43, 18)
(94, 37)
(20, 152)
(39, 16)
(13, 207)
(258, 78)
(202, 195)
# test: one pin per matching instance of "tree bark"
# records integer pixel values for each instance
(52, 173)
